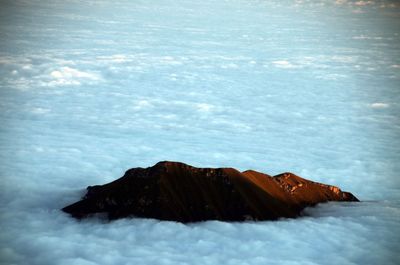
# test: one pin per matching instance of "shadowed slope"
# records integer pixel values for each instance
(179, 192)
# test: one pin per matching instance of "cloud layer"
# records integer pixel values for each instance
(349, 233)
(89, 90)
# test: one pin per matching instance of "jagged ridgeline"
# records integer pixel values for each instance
(179, 192)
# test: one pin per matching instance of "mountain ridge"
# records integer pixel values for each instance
(176, 191)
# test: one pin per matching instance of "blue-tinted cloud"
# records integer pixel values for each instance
(93, 88)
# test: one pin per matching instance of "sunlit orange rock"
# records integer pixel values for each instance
(179, 192)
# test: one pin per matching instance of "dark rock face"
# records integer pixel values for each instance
(179, 192)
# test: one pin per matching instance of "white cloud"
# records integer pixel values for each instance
(142, 104)
(364, 3)
(173, 77)
(55, 142)
(119, 58)
(40, 110)
(342, 58)
(27, 67)
(116, 58)
(365, 37)
(331, 76)
(70, 76)
(41, 236)
(169, 60)
(379, 105)
(69, 73)
(284, 64)
(230, 66)
(204, 107)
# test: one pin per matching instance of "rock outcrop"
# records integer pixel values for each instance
(179, 192)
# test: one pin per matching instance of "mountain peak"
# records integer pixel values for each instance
(180, 192)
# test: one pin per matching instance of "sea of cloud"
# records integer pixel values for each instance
(89, 89)
(347, 234)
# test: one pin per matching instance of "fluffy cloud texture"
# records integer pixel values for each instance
(349, 233)
(70, 76)
(89, 90)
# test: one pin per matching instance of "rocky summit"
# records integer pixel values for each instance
(178, 192)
